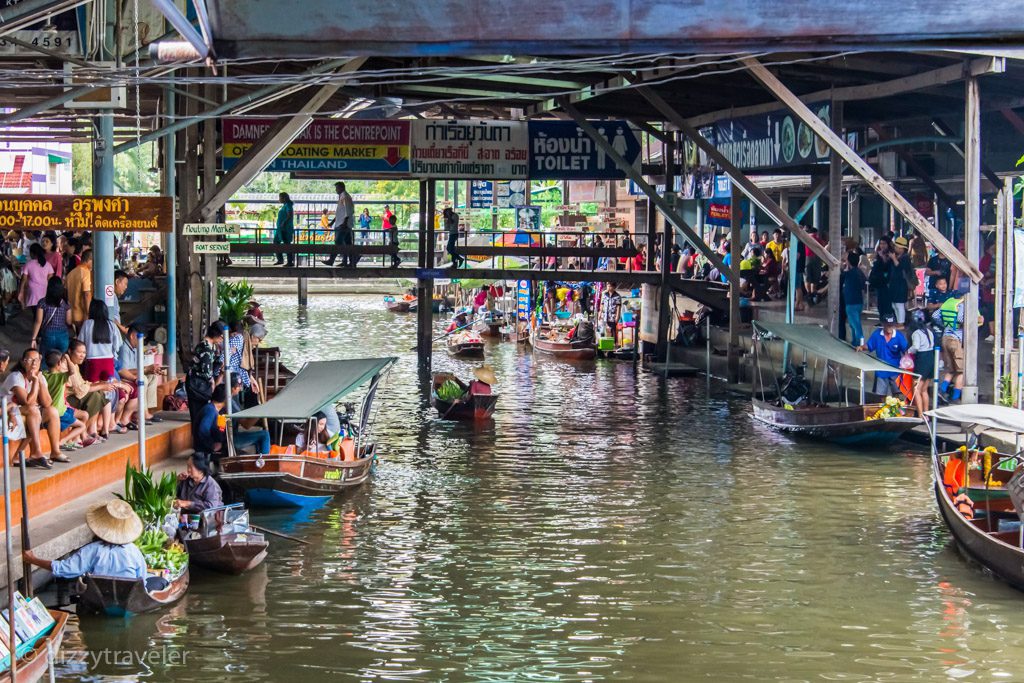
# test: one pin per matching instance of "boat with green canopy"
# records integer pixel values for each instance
(307, 466)
(788, 403)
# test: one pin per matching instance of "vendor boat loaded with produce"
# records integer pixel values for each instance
(457, 400)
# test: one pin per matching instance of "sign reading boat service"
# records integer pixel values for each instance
(212, 248)
(65, 212)
(338, 145)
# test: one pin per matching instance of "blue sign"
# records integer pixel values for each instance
(723, 187)
(773, 140)
(561, 150)
(432, 273)
(481, 194)
(523, 300)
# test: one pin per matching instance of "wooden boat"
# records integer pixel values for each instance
(844, 425)
(467, 344)
(225, 542)
(397, 305)
(34, 664)
(490, 325)
(787, 407)
(470, 407)
(557, 345)
(989, 533)
(286, 478)
(114, 597)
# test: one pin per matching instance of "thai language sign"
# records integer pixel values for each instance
(773, 140)
(523, 300)
(493, 150)
(61, 212)
(338, 145)
(481, 194)
(561, 149)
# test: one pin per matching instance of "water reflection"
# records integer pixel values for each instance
(601, 527)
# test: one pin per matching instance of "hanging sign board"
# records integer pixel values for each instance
(337, 145)
(719, 214)
(773, 140)
(481, 194)
(60, 212)
(469, 149)
(523, 300)
(210, 229)
(561, 150)
(212, 247)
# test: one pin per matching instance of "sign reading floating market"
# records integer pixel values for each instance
(773, 140)
(64, 212)
(469, 149)
(210, 229)
(333, 145)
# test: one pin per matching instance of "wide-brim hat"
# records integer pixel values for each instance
(114, 522)
(485, 374)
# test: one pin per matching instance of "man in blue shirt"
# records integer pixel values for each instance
(114, 554)
(888, 344)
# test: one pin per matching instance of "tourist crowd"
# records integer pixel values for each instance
(76, 379)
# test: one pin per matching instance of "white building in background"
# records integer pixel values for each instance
(35, 168)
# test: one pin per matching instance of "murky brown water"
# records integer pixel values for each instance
(604, 527)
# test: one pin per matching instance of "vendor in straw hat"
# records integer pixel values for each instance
(114, 553)
(484, 379)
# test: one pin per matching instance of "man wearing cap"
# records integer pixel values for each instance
(115, 554)
(888, 344)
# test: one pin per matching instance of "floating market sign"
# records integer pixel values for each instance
(204, 229)
(773, 140)
(562, 150)
(469, 149)
(338, 145)
(62, 212)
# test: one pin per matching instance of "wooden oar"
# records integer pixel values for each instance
(26, 542)
(279, 534)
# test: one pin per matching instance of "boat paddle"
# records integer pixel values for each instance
(26, 542)
(448, 334)
(278, 534)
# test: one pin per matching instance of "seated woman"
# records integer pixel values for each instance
(92, 397)
(461, 319)
(322, 441)
(197, 490)
(114, 553)
(484, 379)
(26, 388)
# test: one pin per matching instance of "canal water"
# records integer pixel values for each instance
(604, 527)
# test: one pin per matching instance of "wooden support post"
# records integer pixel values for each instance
(835, 222)
(303, 291)
(972, 233)
(425, 286)
(861, 167)
(652, 233)
(421, 237)
(735, 226)
(192, 313)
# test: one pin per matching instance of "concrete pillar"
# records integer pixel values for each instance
(303, 291)
(103, 184)
(972, 233)
(425, 286)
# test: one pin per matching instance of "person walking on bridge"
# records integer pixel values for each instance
(342, 227)
(451, 225)
(284, 232)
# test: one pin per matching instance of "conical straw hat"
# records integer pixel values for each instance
(485, 374)
(114, 522)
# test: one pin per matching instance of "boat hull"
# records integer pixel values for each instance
(466, 350)
(486, 329)
(228, 553)
(845, 426)
(113, 597)
(33, 665)
(293, 480)
(398, 306)
(477, 407)
(1003, 559)
(565, 350)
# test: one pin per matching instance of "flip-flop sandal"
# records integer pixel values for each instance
(60, 458)
(155, 418)
(41, 463)
(120, 429)
(133, 427)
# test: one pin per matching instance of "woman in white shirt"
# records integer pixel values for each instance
(102, 344)
(922, 347)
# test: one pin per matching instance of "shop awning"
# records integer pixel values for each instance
(989, 416)
(819, 341)
(318, 384)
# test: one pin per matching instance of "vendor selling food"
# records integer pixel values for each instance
(197, 490)
(114, 553)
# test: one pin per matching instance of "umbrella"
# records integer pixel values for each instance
(519, 238)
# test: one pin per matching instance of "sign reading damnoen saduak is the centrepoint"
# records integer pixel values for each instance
(444, 148)
(60, 212)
